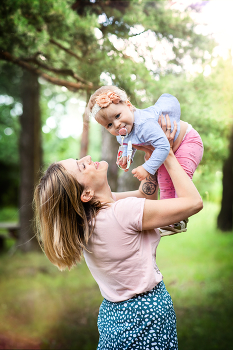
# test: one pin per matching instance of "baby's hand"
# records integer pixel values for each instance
(122, 162)
(140, 173)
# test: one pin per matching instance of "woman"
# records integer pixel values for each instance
(77, 213)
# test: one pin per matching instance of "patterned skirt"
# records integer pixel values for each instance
(144, 322)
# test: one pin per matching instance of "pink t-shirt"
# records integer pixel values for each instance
(121, 256)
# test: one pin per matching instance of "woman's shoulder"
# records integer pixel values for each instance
(129, 212)
(126, 213)
(128, 201)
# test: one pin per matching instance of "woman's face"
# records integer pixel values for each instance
(88, 173)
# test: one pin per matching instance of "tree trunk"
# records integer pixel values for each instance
(225, 217)
(85, 133)
(30, 158)
(109, 154)
(126, 181)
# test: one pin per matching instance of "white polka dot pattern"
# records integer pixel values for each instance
(144, 322)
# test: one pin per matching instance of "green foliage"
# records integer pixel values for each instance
(10, 109)
(9, 214)
(57, 103)
(207, 104)
(78, 42)
(60, 37)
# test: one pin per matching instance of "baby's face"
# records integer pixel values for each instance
(117, 116)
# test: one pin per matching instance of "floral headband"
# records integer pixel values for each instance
(105, 99)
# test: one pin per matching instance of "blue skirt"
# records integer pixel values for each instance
(144, 322)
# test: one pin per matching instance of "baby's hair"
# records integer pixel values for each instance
(101, 90)
(64, 223)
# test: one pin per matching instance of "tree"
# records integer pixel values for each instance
(30, 156)
(72, 44)
(225, 217)
(225, 79)
(28, 36)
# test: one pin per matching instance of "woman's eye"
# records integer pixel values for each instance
(109, 125)
(117, 116)
(84, 166)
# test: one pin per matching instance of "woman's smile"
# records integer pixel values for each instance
(97, 164)
(88, 173)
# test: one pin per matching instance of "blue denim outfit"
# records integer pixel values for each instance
(147, 131)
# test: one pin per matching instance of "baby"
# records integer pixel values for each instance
(140, 127)
(111, 108)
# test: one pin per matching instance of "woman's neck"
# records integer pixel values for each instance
(104, 195)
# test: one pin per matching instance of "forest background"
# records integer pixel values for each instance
(53, 55)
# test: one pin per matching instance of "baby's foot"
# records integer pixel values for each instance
(180, 226)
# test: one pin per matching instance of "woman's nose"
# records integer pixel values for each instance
(88, 159)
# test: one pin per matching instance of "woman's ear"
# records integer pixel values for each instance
(87, 195)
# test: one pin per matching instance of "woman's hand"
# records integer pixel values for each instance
(148, 150)
(166, 127)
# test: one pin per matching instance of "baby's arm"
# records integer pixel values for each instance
(153, 136)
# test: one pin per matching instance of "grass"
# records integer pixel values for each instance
(197, 268)
(42, 308)
(9, 214)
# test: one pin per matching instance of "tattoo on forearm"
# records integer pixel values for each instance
(149, 187)
(152, 178)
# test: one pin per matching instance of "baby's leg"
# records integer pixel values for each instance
(166, 187)
(189, 155)
(190, 152)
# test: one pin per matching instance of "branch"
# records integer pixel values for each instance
(55, 70)
(65, 49)
(144, 31)
(69, 85)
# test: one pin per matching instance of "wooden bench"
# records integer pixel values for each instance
(12, 231)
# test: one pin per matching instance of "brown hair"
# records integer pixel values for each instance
(101, 90)
(64, 223)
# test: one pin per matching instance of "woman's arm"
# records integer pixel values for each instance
(166, 212)
(148, 189)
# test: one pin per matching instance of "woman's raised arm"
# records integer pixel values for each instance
(148, 187)
(167, 211)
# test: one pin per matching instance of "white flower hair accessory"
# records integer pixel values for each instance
(105, 99)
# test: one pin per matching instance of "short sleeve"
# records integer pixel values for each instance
(129, 213)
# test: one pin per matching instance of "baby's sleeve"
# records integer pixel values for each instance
(151, 133)
(129, 213)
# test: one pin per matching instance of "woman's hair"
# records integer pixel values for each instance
(64, 223)
(98, 92)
